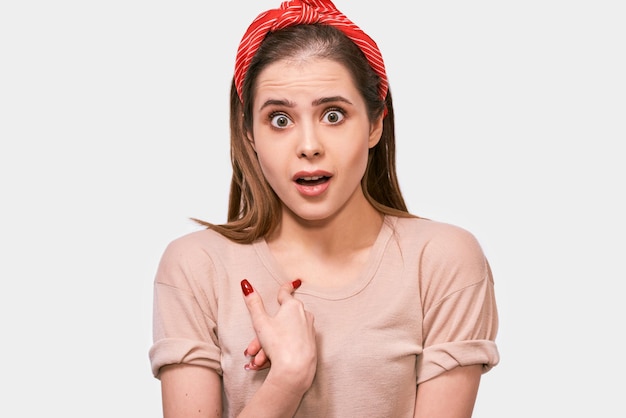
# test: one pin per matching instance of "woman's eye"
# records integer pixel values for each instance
(333, 116)
(279, 120)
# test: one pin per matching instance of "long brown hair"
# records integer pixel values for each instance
(254, 210)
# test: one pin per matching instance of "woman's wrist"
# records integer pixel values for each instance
(292, 381)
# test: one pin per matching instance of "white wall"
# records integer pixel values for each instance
(113, 132)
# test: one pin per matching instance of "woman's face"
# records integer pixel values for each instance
(312, 135)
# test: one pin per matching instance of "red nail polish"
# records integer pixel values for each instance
(246, 287)
(296, 283)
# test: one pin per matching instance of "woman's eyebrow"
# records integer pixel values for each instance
(277, 102)
(330, 99)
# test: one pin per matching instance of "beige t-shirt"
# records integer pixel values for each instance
(423, 305)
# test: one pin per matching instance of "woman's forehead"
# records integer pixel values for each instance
(295, 75)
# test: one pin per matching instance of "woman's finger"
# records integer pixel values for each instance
(256, 352)
(258, 362)
(253, 348)
(287, 289)
(255, 305)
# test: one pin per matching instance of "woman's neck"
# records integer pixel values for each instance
(336, 236)
(327, 253)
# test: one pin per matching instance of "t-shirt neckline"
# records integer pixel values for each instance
(333, 293)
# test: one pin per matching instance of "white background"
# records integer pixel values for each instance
(511, 119)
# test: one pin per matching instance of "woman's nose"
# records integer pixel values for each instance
(309, 145)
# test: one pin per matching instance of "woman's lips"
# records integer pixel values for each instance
(311, 180)
(312, 184)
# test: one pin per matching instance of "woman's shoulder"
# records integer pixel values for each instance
(203, 243)
(425, 227)
(434, 236)
(204, 236)
(450, 256)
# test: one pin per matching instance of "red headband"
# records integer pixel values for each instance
(296, 12)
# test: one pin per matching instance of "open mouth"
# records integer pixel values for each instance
(312, 181)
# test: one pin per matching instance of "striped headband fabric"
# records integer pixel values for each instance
(297, 12)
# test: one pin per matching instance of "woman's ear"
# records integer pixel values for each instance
(376, 130)
(251, 140)
(248, 133)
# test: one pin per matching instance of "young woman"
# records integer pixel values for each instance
(322, 296)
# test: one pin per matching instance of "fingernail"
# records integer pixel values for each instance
(246, 287)
(296, 283)
(251, 366)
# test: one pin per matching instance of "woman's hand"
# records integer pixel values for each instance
(259, 359)
(286, 341)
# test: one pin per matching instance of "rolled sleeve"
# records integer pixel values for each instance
(460, 314)
(184, 316)
(440, 358)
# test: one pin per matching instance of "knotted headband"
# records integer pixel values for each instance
(297, 12)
